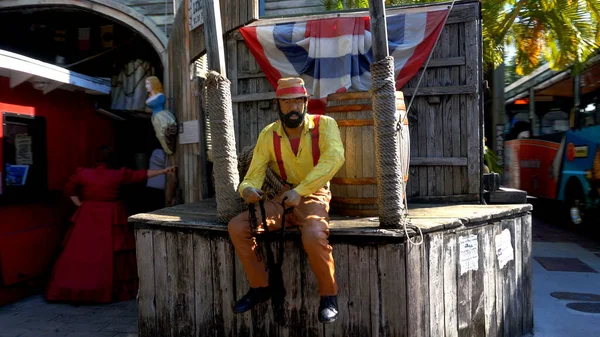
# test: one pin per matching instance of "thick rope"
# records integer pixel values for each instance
(226, 175)
(387, 144)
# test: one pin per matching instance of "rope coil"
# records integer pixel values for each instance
(226, 174)
(386, 118)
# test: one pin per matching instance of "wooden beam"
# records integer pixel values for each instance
(438, 161)
(378, 30)
(17, 77)
(213, 31)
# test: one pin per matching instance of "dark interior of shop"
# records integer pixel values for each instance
(102, 49)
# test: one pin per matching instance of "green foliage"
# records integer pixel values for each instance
(491, 160)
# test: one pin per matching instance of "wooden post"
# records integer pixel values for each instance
(378, 30)
(390, 193)
(215, 48)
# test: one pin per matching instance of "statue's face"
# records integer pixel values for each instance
(292, 111)
(148, 86)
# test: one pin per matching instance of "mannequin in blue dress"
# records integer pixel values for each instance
(165, 125)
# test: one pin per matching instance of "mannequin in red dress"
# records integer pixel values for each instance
(98, 263)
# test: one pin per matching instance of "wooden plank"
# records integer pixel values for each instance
(294, 11)
(358, 281)
(232, 70)
(477, 292)
(369, 168)
(435, 246)
(518, 294)
(171, 238)
(204, 286)
(450, 285)
(473, 78)
(213, 31)
(145, 265)
(342, 273)
(244, 327)
(464, 295)
(180, 252)
(489, 280)
(527, 279)
(351, 160)
(224, 319)
(463, 13)
(500, 275)
(391, 268)
(160, 8)
(310, 301)
(464, 130)
(421, 106)
(509, 286)
(377, 314)
(442, 50)
(269, 6)
(417, 290)
(432, 135)
(453, 107)
(446, 118)
(161, 277)
(162, 20)
(263, 321)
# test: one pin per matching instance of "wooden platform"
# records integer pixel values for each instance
(451, 285)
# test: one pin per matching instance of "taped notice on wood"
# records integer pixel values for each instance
(468, 253)
(504, 249)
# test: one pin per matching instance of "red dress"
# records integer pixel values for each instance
(97, 263)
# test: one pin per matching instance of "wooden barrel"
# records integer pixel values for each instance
(354, 188)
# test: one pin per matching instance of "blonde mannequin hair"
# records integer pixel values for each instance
(155, 84)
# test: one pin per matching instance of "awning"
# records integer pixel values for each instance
(47, 77)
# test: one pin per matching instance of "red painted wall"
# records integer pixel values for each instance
(30, 234)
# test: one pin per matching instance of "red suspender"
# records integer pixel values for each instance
(277, 147)
(316, 153)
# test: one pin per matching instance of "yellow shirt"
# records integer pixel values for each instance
(299, 169)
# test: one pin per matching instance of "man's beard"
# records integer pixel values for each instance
(292, 123)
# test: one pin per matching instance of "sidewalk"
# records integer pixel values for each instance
(34, 317)
(568, 263)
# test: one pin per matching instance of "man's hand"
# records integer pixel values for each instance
(252, 195)
(291, 198)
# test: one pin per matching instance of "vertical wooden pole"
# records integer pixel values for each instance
(378, 30)
(390, 193)
(215, 48)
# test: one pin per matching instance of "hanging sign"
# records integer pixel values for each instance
(196, 13)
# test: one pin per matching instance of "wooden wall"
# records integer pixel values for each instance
(292, 7)
(159, 11)
(190, 279)
(186, 105)
(445, 119)
(185, 93)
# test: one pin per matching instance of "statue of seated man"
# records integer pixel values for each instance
(307, 151)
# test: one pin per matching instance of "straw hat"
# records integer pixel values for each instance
(291, 87)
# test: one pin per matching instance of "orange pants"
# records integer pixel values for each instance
(312, 216)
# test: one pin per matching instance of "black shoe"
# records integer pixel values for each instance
(252, 298)
(328, 309)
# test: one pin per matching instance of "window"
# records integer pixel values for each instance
(24, 167)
